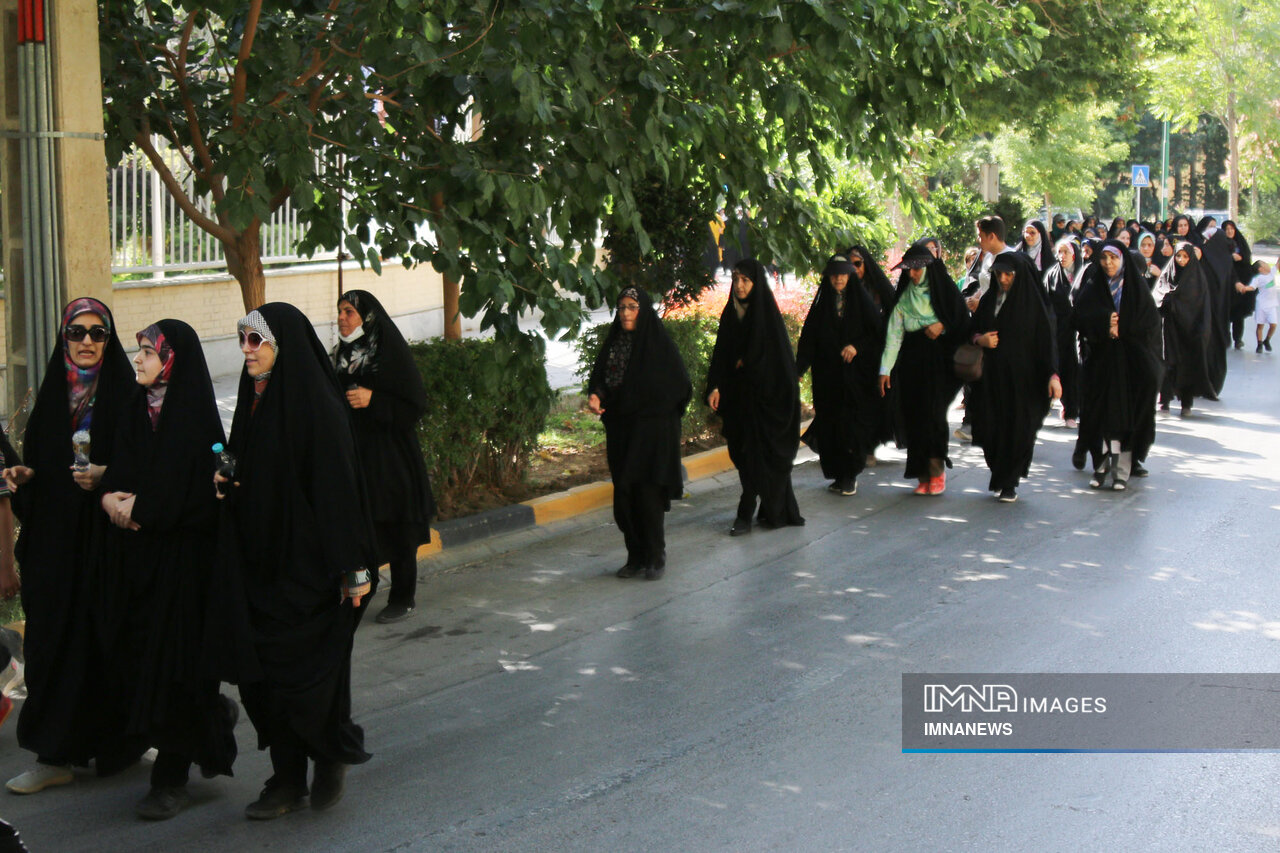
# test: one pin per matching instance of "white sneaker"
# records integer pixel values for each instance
(43, 776)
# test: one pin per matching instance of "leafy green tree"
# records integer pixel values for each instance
(1230, 70)
(505, 134)
(1060, 163)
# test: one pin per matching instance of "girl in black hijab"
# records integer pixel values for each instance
(294, 553)
(752, 385)
(387, 397)
(69, 717)
(1117, 225)
(870, 276)
(928, 322)
(1019, 377)
(1117, 318)
(157, 492)
(841, 342)
(1183, 298)
(640, 388)
(1036, 246)
(1243, 300)
(1060, 283)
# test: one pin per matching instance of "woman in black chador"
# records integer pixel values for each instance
(294, 551)
(640, 388)
(387, 397)
(1243, 300)
(752, 384)
(69, 716)
(1117, 320)
(928, 322)
(157, 492)
(841, 342)
(868, 274)
(1019, 377)
(1182, 296)
(1060, 284)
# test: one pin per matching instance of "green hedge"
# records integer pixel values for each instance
(488, 401)
(694, 336)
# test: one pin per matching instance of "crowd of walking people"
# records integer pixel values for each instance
(162, 558)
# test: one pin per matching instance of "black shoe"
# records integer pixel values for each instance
(1164, 407)
(741, 527)
(393, 613)
(1185, 413)
(1139, 470)
(835, 486)
(1267, 344)
(1008, 496)
(1259, 349)
(162, 803)
(1100, 473)
(849, 487)
(1119, 485)
(1239, 344)
(630, 570)
(327, 784)
(1077, 458)
(657, 570)
(276, 800)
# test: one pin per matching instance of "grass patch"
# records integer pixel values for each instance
(571, 427)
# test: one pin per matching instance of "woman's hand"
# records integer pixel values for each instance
(88, 478)
(1115, 325)
(18, 475)
(593, 403)
(713, 399)
(1055, 387)
(359, 396)
(119, 508)
(990, 340)
(219, 482)
(1153, 270)
(972, 303)
(934, 331)
(884, 384)
(849, 353)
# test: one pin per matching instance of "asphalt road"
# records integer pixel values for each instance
(751, 699)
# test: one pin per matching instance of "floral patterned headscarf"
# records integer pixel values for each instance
(82, 383)
(155, 392)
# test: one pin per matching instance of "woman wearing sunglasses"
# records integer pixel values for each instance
(294, 551)
(68, 712)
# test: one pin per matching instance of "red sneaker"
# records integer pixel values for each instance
(922, 489)
(6, 707)
(938, 485)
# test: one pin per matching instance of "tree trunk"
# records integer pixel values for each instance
(1233, 154)
(244, 261)
(452, 317)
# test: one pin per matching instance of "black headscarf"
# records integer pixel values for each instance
(1182, 294)
(295, 524)
(644, 388)
(873, 280)
(1044, 249)
(380, 358)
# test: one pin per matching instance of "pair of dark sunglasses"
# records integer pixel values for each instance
(97, 334)
(253, 339)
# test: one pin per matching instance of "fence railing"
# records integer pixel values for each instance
(151, 236)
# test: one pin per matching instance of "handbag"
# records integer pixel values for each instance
(967, 363)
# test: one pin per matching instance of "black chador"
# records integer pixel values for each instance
(921, 368)
(163, 574)
(872, 278)
(1183, 298)
(754, 373)
(643, 389)
(1121, 374)
(846, 401)
(377, 357)
(1243, 305)
(292, 533)
(1041, 254)
(1011, 399)
(69, 715)
(1060, 284)
(1220, 278)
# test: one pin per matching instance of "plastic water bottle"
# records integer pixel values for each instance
(226, 466)
(80, 449)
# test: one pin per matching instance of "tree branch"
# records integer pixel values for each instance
(240, 78)
(177, 191)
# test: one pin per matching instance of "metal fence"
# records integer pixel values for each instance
(151, 236)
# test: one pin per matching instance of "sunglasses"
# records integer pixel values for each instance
(253, 339)
(97, 334)
(856, 263)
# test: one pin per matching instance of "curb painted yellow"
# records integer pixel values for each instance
(708, 463)
(576, 501)
(431, 548)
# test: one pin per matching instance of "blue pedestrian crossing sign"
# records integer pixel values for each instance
(1141, 176)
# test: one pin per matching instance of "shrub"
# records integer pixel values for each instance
(488, 401)
(1262, 224)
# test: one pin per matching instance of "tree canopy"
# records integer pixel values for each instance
(507, 132)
